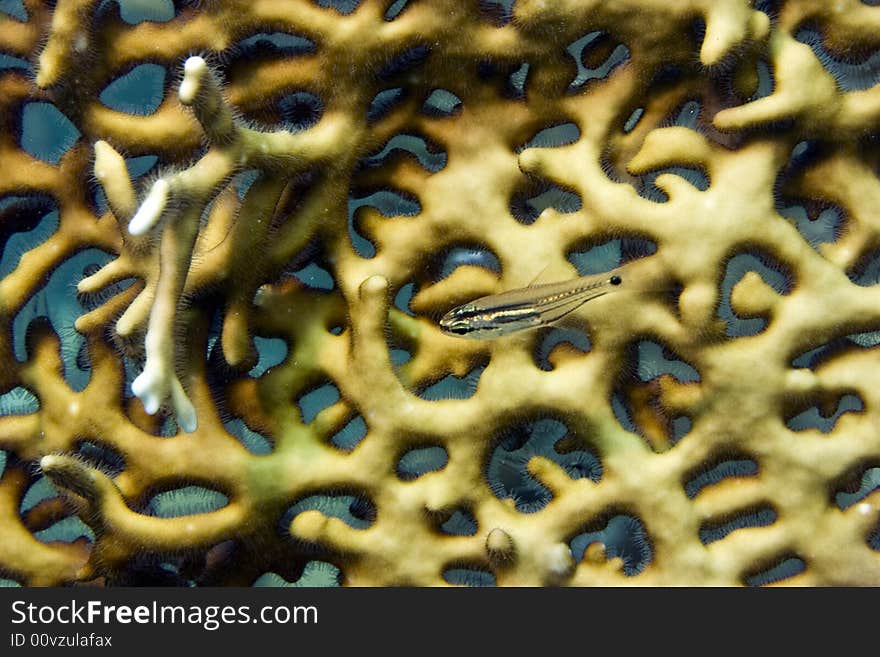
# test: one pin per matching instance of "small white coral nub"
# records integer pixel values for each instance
(154, 385)
(558, 561)
(193, 70)
(151, 209)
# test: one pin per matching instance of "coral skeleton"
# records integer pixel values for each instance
(229, 231)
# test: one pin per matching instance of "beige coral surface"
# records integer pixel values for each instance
(715, 422)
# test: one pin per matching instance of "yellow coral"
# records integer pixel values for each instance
(716, 425)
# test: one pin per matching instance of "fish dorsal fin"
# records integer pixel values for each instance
(534, 281)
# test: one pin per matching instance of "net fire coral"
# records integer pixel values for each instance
(230, 231)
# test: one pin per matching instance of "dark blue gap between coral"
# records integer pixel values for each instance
(849, 76)
(354, 511)
(507, 471)
(576, 49)
(348, 437)
(185, 501)
(709, 533)
(460, 523)
(726, 469)
(783, 570)
(599, 258)
(625, 537)
(469, 577)
(315, 401)
(421, 460)
(389, 204)
(138, 92)
(737, 267)
(812, 419)
(870, 482)
(553, 338)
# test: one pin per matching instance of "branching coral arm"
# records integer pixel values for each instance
(175, 203)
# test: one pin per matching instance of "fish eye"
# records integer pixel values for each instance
(615, 280)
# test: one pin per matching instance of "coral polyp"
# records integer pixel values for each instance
(230, 231)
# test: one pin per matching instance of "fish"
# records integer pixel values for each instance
(531, 307)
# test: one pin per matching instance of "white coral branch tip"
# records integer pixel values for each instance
(558, 560)
(151, 209)
(193, 70)
(153, 386)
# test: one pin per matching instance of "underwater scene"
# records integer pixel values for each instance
(439, 293)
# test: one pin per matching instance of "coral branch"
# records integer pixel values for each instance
(282, 199)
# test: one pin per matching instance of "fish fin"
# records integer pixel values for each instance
(538, 275)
